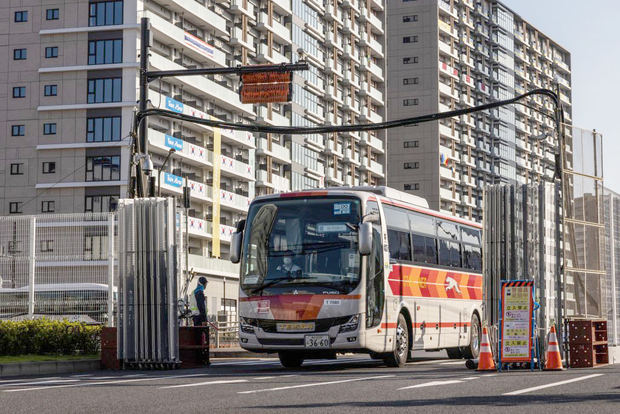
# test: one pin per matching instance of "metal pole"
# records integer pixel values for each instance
(31, 266)
(111, 270)
(170, 152)
(144, 85)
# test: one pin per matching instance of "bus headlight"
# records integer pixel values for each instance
(351, 324)
(247, 325)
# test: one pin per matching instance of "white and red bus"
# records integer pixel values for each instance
(357, 269)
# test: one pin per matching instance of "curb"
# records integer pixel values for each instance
(234, 353)
(48, 367)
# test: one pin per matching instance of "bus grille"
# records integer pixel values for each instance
(320, 325)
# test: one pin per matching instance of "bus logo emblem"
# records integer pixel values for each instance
(452, 284)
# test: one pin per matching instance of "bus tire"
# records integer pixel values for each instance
(398, 357)
(454, 353)
(291, 359)
(473, 350)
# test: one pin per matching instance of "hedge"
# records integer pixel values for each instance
(44, 336)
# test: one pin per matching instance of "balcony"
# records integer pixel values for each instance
(449, 174)
(332, 14)
(448, 70)
(484, 88)
(242, 7)
(376, 71)
(334, 176)
(447, 29)
(333, 149)
(234, 201)
(238, 37)
(467, 100)
(236, 168)
(367, 115)
(266, 55)
(446, 194)
(195, 48)
(468, 80)
(265, 116)
(277, 151)
(213, 266)
(280, 32)
(197, 227)
(376, 5)
(448, 91)
(278, 183)
(198, 14)
(376, 96)
(449, 50)
(468, 61)
(283, 7)
(444, 108)
(373, 141)
(445, 6)
(376, 168)
(375, 24)
(171, 183)
(195, 154)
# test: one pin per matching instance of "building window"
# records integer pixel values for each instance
(17, 169)
(16, 207)
(410, 102)
(50, 90)
(49, 128)
(52, 14)
(104, 13)
(410, 39)
(18, 130)
(103, 168)
(410, 60)
(101, 52)
(19, 92)
(49, 167)
(46, 246)
(411, 165)
(48, 206)
(21, 16)
(51, 52)
(20, 54)
(104, 90)
(412, 187)
(411, 144)
(411, 81)
(103, 129)
(410, 18)
(100, 203)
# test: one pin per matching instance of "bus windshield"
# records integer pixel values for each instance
(301, 245)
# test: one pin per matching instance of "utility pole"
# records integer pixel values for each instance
(142, 147)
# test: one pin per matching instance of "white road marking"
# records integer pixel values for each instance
(87, 384)
(470, 378)
(217, 364)
(82, 375)
(27, 379)
(40, 382)
(433, 361)
(431, 384)
(198, 384)
(314, 384)
(489, 375)
(263, 378)
(553, 384)
(453, 363)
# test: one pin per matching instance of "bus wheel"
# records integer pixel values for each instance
(291, 359)
(454, 353)
(472, 351)
(398, 357)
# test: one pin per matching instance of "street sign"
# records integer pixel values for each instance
(266, 87)
(266, 92)
(517, 319)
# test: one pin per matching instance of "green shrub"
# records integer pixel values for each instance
(44, 336)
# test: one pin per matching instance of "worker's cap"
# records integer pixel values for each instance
(202, 280)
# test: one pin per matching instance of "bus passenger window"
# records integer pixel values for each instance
(399, 244)
(449, 254)
(424, 249)
(472, 258)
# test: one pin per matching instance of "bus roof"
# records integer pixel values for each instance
(386, 194)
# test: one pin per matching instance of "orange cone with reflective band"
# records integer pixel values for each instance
(553, 359)
(486, 361)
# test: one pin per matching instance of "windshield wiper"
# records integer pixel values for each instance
(270, 283)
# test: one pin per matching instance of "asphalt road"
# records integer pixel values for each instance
(352, 383)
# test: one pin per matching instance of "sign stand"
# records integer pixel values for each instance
(517, 324)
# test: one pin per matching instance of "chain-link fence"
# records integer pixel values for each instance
(61, 266)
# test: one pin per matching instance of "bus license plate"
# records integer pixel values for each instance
(317, 341)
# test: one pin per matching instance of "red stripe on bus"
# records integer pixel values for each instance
(419, 325)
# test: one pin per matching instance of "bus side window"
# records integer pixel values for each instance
(449, 253)
(424, 249)
(399, 244)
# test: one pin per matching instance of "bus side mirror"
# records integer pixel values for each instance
(235, 246)
(364, 238)
(235, 243)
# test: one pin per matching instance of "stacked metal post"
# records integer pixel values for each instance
(519, 245)
(148, 324)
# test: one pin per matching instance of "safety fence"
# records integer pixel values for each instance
(61, 266)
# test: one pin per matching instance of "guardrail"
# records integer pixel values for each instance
(224, 334)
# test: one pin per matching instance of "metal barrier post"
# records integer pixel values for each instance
(31, 266)
(111, 269)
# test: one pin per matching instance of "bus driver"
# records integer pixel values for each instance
(288, 268)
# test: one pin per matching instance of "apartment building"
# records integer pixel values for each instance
(611, 214)
(71, 72)
(453, 54)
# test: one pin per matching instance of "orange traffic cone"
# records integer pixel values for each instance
(485, 361)
(553, 359)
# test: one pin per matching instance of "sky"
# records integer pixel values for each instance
(589, 30)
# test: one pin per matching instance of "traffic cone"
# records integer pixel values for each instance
(485, 359)
(553, 359)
